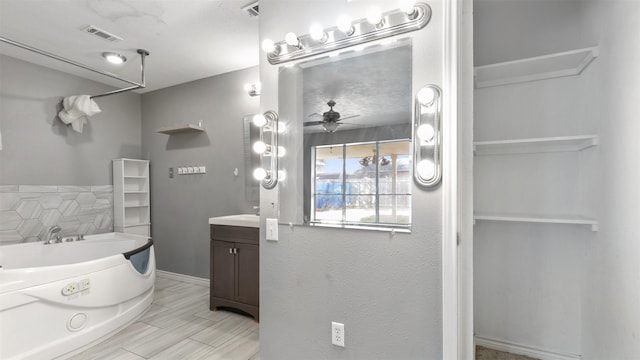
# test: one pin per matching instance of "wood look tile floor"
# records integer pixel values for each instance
(482, 353)
(179, 325)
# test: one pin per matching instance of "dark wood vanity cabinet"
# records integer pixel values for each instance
(235, 268)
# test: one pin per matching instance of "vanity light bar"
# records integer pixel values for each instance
(392, 23)
(427, 138)
(268, 122)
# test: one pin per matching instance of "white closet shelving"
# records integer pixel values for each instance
(535, 145)
(531, 69)
(536, 68)
(131, 196)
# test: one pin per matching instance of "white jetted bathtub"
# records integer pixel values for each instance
(56, 299)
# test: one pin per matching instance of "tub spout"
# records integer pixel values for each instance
(53, 235)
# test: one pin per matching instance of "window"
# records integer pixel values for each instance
(362, 184)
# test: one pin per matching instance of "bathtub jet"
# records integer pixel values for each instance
(56, 300)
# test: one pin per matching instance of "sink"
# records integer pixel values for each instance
(246, 220)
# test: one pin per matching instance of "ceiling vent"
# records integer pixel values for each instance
(101, 34)
(252, 8)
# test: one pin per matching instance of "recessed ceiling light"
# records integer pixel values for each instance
(114, 58)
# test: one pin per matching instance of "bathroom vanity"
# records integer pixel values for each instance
(235, 263)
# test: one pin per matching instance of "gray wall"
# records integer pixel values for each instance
(181, 207)
(38, 149)
(385, 288)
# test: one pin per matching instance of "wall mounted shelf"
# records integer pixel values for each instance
(535, 145)
(536, 68)
(185, 128)
(571, 220)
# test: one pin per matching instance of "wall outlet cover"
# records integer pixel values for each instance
(272, 229)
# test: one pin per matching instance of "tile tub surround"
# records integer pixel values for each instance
(27, 211)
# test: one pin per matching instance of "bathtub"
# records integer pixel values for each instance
(58, 299)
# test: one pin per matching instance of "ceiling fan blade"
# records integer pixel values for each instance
(348, 117)
(315, 115)
(313, 123)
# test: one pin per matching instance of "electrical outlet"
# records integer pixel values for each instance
(272, 229)
(337, 334)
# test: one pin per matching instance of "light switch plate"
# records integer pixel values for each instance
(272, 229)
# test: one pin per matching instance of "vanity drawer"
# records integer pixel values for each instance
(241, 234)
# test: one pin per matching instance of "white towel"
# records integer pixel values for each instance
(76, 111)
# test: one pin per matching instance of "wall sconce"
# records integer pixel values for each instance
(410, 16)
(253, 89)
(268, 123)
(427, 168)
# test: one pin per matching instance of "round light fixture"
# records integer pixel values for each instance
(374, 16)
(292, 39)
(268, 46)
(426, 132)
(259, 120)
(344, 24)
(407, 6)
(426, 169)
(114, 58)
(316, 31)
(426, 96)
(259, 174)
(259, 147)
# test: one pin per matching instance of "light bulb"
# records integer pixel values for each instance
(426, 96)
(259, 147)
(374, 16)
(426, 132)
(259, 174)
(344, 24)
(281, 151)
(259, 120)
(316, 31)
(114, 58)
(407, 6)
(426, 169)
(268, 46)
(282, 175)
(281, 127)
(292, 39)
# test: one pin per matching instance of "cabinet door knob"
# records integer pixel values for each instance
(235, 250)
(230, 250)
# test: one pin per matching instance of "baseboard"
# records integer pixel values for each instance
(542, 354)
(184, 278)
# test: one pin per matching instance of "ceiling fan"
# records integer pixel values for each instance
(330, 119)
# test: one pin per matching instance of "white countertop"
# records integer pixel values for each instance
(246, 220)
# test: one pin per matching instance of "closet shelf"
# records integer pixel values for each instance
(535, 68)
(185, 128)
(574, 220)
(535, 145)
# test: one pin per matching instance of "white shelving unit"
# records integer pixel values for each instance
(570, 220)
(535, 145)
(131, 196)
(536, 68)
(184, 128)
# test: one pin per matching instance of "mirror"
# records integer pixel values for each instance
(251, 159)
(353, 112)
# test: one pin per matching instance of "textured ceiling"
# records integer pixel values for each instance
(188, 40)
(374, 84)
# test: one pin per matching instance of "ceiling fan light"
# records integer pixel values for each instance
(330, 126)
